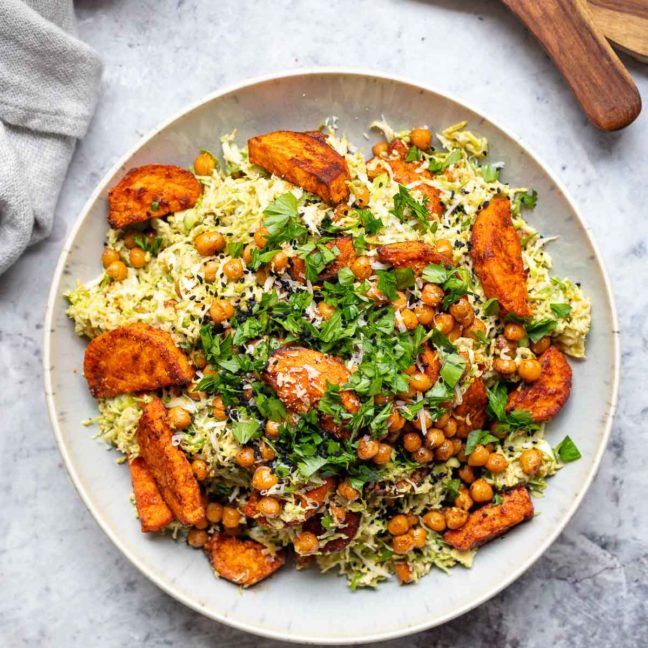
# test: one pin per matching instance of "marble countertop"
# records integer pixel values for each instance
(62, 581)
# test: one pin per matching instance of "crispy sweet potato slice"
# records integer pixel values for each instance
(169, 466)
(153, 512)
(348, 531)
(497, 257)
(306, 160)
(429, 359)
(411, 254)
(471, 414)
(545, 397)
(151, 191)
(244, 562)
(134, 358)
(344, 259)
(492, 520)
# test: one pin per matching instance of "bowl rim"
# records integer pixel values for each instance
(167, 587)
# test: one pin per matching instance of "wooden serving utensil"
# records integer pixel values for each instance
(595, 74)
(624, 23)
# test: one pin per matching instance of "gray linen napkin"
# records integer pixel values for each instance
(49, 82)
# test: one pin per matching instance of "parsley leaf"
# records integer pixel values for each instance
(387, 284)
(452, 369)
(436, 166)
(155, 205)
(452, 488)
(310, 465)
(271, 408)
(413, 155)
(245, 431)
(567, 450)
(561, 310)
(478, 437)
(527, 198)
(144, 243)
(490, 173)
(436, 274)
(404, 278)
(405, 202)
(491, 307)
(538, 329)
(281, 219)
(234, 249)
(372, 224)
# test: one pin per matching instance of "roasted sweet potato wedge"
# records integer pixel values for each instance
(471, 414)
(134, 358)
(168, 465)
(299, 376)
(497, 258)
(492, 520)
(244, 562)
(429, 360)
(153, 512)
(411, 254)
(545, 397)
(151, 191)
(306, 160)
(348, 531)
(345, 258)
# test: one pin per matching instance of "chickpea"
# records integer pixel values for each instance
(435, 520)
(541, 345)
(198, 359)
(423, 455)
(261, 236)
(117, 271)
(403, 572)
(264, 478)
(210, 270)
(456, 517)
(279, 262)
(434, 438)
(267, 453)
(325, 310)
(272, 429)
(424, 314)
(444, 247)
(444, 322)
(457, 446)
(231, 517)
(476, 329)
(199, 469)
(463, 500)
(306, 543)
(214, 512)
(361, 194)
(530, 461)
(450, 428)
(261, 276)
(361, 268)
(218, 409)
(395, 422)
(481, 491)
(269, 507)
(384, 454)
(462, 311)
(233, 269)
(505, 346)
(505, 367)
(367, 448)
(204, 164)
(529, 370)
(412, 441)
(420, 536)
(129, 239)
(443, 421)
(398, 525)
(466, 474)
(380, 149)
(245, 457)
(247, 253)
(403, 544)
(444, 450)
(421, 138)
(514, 332)
(497, 463)
(478, 457)
(221, 310)
(421, 382)
(347, 491)
(209, 243)
(427, 419)
(400, 302)
(109, 257)
(432, 295)
(179, 418)
(456, 333)
(197, 538)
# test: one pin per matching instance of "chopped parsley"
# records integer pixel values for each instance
(567, 451)
(561, 310)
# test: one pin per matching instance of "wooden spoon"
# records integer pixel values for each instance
(624, 23)
(597, 77)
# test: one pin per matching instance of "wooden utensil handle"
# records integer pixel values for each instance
(599, 80)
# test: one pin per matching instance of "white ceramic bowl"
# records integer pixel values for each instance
(306, 606)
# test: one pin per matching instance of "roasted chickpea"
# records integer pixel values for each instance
(530, 461)
(478, 457)
(218, 409)
(204, 164)
(421, 382)
(269, 507)
(361, 268)
(279, 262)
(264, 478)
(233, 269)
(109, 257)
(434, 438)
(306, 543)
(398, 525)
(261, 276)
(504, 346)
(209, 243)
(412, 441)
(261, 236)
(129, 238)
(462, 311)
(463, 500)
(435, 520)
(325, 310)
(514, 332)
(117, 271)
(456, 517)
(347, 491)
(457, 445)
(456, 333)
(395, 422)
(245, 457)
(432, 295)
(444, 450)
(247, 253)
(529, 370)
(367, 448)
(444, 247)
(384, 454)
(444, 322)
(198, 359)
(361, 194)
(424, 314)
(419, 534)
(466, 474)
(497, 463)
(267, 453)
(400, 302)
(199, 469)
(210, 270)
(423, 417)
(504, 367)
(403, 544)
(179, 418)
(450, 428)
(423, 455)
(541, 345)
(442, 421)
(214, 512)
(380, 149)
(272, 429)
(476, 330)
(221, 310)
(197, 538)
(231, 517)
(421, 138)
(403, 572)
(481, 491)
